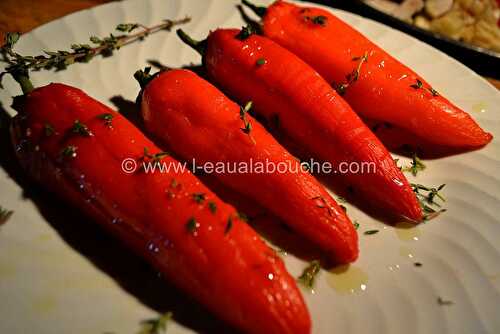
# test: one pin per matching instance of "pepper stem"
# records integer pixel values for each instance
(260, 11)
(199, 46)
(25, 83)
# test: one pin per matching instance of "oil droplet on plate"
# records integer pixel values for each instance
(479, 107)
(347, 279)
(407, 231)
(406, 252)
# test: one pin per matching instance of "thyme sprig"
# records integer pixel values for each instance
(427, 197)
(247, 126)
(308, 276)
(5, 215)
(419, 85)
(156, 325)
(352, 77)
(416, 165)
(19, 66)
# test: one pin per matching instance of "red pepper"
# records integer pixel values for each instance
(283, 87)
(196, 121)
(385, 89)
(75, 146)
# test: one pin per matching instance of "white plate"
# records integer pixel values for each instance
(61, 274)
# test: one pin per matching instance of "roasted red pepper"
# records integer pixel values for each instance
(376, 85)
(287, 91)
(197, 122)
(75, 146)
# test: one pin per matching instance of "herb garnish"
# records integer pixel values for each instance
(319, 19)
(416, 165)
(246, 32)
(48, 129)
(199, 197)
(442, 301)
(81, 129)
(212, 207)
(107, 118)
(370, 232)
(192, 225)
(5, 215)
(69, 152)
(154, 157)
(419, 85)
(19, 65)
(308, 276)
(242, 216)
(260, 61)
(356, 224)
(229, 225)
(353, 76)
(247, 127)
(417, 264)
(156, 326)
(427, 199)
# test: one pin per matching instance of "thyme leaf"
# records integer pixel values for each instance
(309, 274)
(247, 126)
(370, 232)
(5, 215)
(199, 197)
(192, 225)
(156, 325)
(212, 206)
(81, 129)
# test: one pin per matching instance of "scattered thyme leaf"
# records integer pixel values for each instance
(156, 325)
(260, 61)
(5, 215)
(107, 118)
(417, 85)
(69, 152)
(229, 225)
(247, 127)
(199, 197)
(433, 91)
(417, 264)
(370, 232)
(442, 301)
(212, 207)
(320, 20)
(81, 129)
(309, 274)
(356, 224)
(191, 225)
(48, 129)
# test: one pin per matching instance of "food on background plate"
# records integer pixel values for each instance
(376, 85)
(76, 146)
(475, 22)
(301, 105)
(195, 121)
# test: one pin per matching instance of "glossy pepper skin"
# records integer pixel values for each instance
(232, 272)
(386, 90)
(194, 119)
(309, 112)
